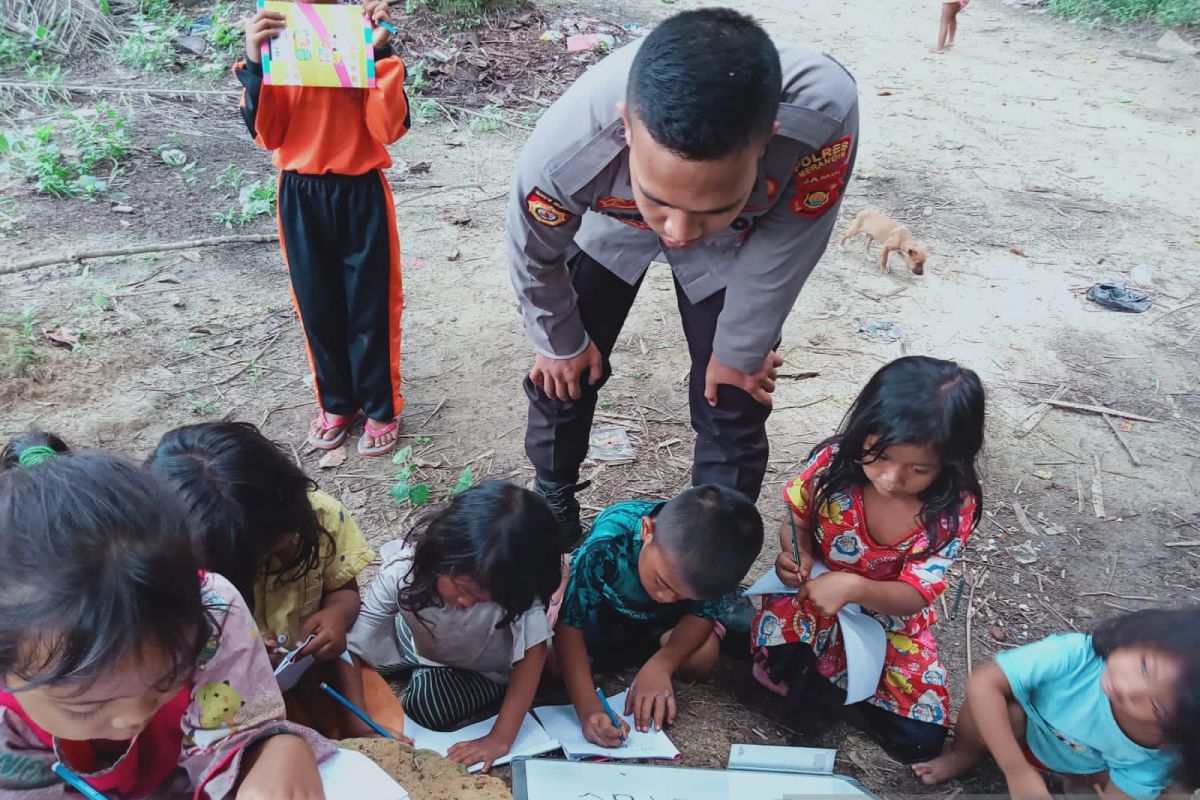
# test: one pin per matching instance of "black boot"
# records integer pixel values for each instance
(561, 499)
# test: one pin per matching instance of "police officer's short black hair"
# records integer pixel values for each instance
(711, 535)
(706, 84)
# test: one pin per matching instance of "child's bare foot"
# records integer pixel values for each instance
(952, 763)
(938, 50)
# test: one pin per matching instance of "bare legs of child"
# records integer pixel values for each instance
(700, 664)
(948, 27)
(967, 748)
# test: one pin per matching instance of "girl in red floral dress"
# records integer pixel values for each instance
(887, 504)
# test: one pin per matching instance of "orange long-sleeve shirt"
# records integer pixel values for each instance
(314, 130)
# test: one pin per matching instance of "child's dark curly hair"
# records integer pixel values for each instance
(246, 497)
(501, 536)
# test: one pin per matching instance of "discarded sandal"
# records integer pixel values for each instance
(370, 433)
(322, 425)
(1119, 298)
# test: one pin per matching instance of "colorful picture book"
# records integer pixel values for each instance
(321, 45)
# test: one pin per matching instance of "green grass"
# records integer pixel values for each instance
(17, 337)
(474, 7)
(1168, 13)
(77, 154)
(150, 47)
(23, 51)
(251, 200)
(490, 123)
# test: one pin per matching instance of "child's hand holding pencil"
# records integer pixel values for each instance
(794, 563)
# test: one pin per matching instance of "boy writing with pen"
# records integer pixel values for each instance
(337, 227)
(645, 588)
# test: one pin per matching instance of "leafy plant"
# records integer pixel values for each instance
(151, 47)
(405, 491)
(1168, 13)
(198, 406)
(225, 34)
(17, 337)
(254, 200)
(17, 51)
(474, 7)
(417, 82)
(488, 121)
(62, 158)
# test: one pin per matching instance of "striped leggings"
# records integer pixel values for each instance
(441, 698)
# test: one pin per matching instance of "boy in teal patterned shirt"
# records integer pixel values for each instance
(646, 585)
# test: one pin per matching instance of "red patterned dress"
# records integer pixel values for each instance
(913, 683)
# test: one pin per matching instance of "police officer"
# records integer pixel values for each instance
(705, 146)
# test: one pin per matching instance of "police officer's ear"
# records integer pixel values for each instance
(623, 110)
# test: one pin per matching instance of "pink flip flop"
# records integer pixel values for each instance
(371, 432)
(316, 438)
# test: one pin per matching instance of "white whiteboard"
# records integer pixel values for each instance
(546, 779)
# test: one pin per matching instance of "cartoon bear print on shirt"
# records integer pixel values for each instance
(219, 705)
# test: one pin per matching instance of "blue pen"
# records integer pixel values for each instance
(612, 716)
(81, 786)
(355, 710)
(387, 26)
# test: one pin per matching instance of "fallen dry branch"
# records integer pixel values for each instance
(1116, 429)
(1098, 410)
(161, 247)
(160, 91)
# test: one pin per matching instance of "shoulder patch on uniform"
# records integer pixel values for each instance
(813, 201)
(830, 159)
(546, 210)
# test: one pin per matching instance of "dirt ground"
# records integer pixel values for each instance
(1034, 161)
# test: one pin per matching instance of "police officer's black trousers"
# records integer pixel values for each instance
(731, 439)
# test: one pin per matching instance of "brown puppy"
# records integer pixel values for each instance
(895, 237)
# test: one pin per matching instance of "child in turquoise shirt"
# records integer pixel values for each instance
(1114, 711)
(645, 589)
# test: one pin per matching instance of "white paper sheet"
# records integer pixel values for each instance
(767, 758)
(531, 740)
(292, 669)
(550, 779)
(349, 775)
(862, 636)
(562, 723)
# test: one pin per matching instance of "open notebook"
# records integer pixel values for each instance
(562, 723)
(531, 739)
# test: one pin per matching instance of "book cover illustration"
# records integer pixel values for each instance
(322, 45)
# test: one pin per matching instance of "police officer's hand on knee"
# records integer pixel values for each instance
(560, 377)
(758, 385)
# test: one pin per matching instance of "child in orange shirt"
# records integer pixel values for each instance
(337, 227)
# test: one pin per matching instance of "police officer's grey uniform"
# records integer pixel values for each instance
(579, 250)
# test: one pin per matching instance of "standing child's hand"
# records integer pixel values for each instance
(378, 11)
(328, 627)
(598, 729)
(262, 27)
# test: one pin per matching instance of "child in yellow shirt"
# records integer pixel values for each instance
(293, 553)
